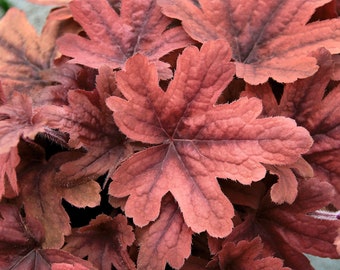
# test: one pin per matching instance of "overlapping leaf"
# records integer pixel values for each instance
(304, 101)
(27, 61)
(113, 38)
(268, 38)
(104, 241)
(167, 240)
(243, 255)
(294, 231)
(89, 123)
(20, 245)
(42, 194)
(8, 175)
(197, 139)
(17, 119)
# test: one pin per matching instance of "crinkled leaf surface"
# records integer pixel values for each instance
(287, 231)
(197, 140)
(140, 27)
(89, 123)
(42, 193)
(167, 240)
(268, 38)
(305, 101)
(243, 255)
(104, 241)
(16, 120)
(27, 60)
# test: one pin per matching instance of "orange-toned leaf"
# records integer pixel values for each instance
(113, 38)
(27, 61)
(285, 190)
(197, 140)
(268, 39)
(167, 240)
(306, 102)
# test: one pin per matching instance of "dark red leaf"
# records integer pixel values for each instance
(42, 194)
(245, 255)
(20, 245)
(287, 231)
(104, 241)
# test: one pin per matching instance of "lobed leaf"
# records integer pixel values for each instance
(198, 140)
(268, 39)
(27, 61)
(113, 38)
(305, 101)
(104, 241)
(243, 254)
(295, 232)
(90, 125)
(8, 175)
(167, 240)
(42, 195)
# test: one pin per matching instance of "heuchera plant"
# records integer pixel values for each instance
(178, 134)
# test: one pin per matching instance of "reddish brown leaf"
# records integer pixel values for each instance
(336, 71)
(16, 120)
(304, 101)
(268, 39)
(245, 255)
(15, 238)
(20, 243)
(50, 259)
(42, 193)
(167, 240)
(140, 27)
(26, 63)
(285, 190)
(89, 123)
(327, 11)
(104, 241)
(195, 263)
(8, 175)
(198, 139)
(287, 231)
